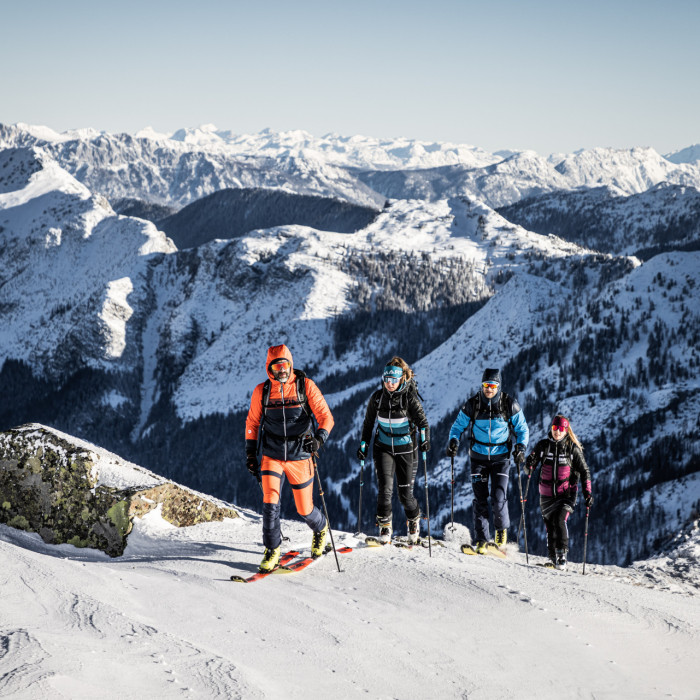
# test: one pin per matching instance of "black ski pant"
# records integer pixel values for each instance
(404, 466)
(555, 513)
(490, 479)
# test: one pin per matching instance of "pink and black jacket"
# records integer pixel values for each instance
(563, 465)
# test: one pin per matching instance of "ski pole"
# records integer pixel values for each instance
(585, 539)
(522, 508)
(522, 518)
(363, 445)
(452, 526)
(427, 501)
(325, 510)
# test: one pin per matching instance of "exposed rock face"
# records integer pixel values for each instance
(51, 486)
(180, 506)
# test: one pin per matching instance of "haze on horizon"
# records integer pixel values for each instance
(546, 76)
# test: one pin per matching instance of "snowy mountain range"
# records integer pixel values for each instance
(113, 333)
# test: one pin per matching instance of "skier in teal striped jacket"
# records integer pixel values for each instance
(492, 419)
(398, 412)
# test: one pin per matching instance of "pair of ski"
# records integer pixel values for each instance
(287, 565)
(490, 550)
(372, 541)
(401, 542)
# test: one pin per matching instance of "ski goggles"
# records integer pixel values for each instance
(489, 385)
(279, 365)
(392, 374)
(560, 425)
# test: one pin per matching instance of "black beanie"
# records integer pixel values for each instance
(492, 375)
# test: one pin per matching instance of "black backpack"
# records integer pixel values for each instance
(412, 388)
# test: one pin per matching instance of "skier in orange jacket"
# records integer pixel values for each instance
(281, 422)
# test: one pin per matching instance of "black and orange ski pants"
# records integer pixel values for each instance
(301, 478)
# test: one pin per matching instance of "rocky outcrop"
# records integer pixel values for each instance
(52, 485)
(180, 507)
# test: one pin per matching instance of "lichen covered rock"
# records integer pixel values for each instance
(50, 484)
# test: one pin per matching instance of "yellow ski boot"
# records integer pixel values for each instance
(318, 542)
(270, 561)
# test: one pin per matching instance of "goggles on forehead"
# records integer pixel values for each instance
(490, 385)
(392, 372)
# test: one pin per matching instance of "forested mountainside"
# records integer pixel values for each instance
(231, 213)
(112, 333)
(664, 217)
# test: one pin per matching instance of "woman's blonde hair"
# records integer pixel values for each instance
(397, 361)
(569, 431)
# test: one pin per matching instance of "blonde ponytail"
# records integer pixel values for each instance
(569, 431)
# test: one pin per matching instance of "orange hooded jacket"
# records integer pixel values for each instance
(285, 422)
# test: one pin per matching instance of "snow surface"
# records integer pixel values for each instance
(164, 621)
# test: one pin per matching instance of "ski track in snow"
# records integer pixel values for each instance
(165, 621)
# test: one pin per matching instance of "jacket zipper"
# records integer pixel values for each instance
(284, 421)
(490, 419)
(391, 427)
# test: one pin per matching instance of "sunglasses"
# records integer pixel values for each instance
(392, 380)
(489, 385)
(560, 428)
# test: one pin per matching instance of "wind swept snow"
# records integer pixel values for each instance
(165, 621)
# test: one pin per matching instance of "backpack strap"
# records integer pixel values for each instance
(300, 378)
(301, 390)
(475, 403)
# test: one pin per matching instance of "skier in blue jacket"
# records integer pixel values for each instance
(491, 418)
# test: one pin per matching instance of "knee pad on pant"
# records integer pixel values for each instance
(271, 525)
(316, 520)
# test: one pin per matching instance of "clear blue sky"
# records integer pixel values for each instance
(552, 76)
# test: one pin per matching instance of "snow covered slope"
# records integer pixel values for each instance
(685, 155)
(177, 173)
(111, 333)
(72, 272)
(176, 170)
(393, 623)
(662, 217)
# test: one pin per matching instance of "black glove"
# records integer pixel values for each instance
(588, 500)
(519, 453)
(361, 455)
(530, 465)
(251, 463)
(312, 443)
(425, 446)
(452, 447)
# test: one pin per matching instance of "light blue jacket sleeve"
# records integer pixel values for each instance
(522, 432)
(460, 425)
